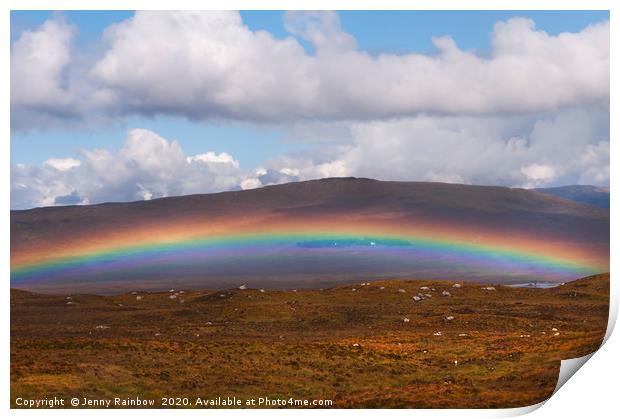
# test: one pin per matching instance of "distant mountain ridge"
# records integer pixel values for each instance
(585, 194)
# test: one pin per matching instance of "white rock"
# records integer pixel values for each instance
(449, 318)
(424, 288)
(262, 290)
(556, 334)
(401, 290)
(462, 334)
(553, 329)
(416, 298)
(437, 334)
(456, 286)
(138, 297)
(381, 288)
(172, 297)
(406, 319)
(446, 293)
(243, 287)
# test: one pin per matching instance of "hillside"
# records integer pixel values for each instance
(585, 194)
(309, 234)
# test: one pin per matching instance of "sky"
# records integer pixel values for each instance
(122, 106)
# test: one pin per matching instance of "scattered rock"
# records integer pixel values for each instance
(173, 296)
(102, 327)
(462, 335)
(243, 287)
(456, 286)
(401, 290)
(446, 293)
(262, 290)
(424, 288)
(171, 290)
(449, 318)
(406, 320)
(556, 334)
(416, 298)
(138, 297)
(437, 334)
(553, 329)
(382, 288)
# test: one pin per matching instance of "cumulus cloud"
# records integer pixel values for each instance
(210, 65)
(38, 59)
(566, 147)
(147, 166)
(213, 65)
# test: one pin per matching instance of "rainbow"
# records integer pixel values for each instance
(331, 251)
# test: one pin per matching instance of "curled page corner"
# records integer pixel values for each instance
(568, 368)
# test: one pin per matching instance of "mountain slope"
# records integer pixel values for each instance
(585, 194)
(313, 233)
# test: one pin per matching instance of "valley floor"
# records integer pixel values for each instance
(367, 345)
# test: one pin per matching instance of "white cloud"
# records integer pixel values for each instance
(63, 164)
(212, 157)
(538, 174)
(210, 65)
(38, 59)
(566, 147)
(148, 166)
